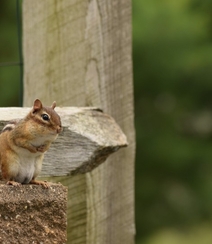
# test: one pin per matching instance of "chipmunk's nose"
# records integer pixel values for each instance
(59, 128)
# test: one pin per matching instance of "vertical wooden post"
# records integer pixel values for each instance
(79, 54)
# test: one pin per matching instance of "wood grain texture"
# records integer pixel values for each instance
(79, 54)
(88, 138)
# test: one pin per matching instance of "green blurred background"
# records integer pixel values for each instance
(10, 82)
(172, 55)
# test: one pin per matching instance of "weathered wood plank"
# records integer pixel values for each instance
(88, 138)
(79, 54)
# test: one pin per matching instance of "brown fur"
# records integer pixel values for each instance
(27, 140)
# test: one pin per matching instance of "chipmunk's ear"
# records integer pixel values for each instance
(53, 105)
(37, 105)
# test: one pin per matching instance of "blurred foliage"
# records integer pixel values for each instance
(198, 235)
(10, 84)
(172, 54)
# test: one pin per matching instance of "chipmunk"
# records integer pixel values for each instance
(24, 142)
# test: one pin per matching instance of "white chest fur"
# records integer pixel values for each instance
(28, 164)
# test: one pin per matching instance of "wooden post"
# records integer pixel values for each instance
(79, 54)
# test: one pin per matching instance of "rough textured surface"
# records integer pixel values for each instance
(88, 138)
(79, 54)
(30, 214)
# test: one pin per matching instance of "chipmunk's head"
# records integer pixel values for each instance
(46, 116)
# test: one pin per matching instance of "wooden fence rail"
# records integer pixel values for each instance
(88, 138)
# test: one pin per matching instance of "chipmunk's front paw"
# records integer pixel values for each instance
(41, 148)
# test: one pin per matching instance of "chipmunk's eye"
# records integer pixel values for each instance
(45, 117)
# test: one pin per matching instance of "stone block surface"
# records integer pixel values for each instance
(32, 214)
